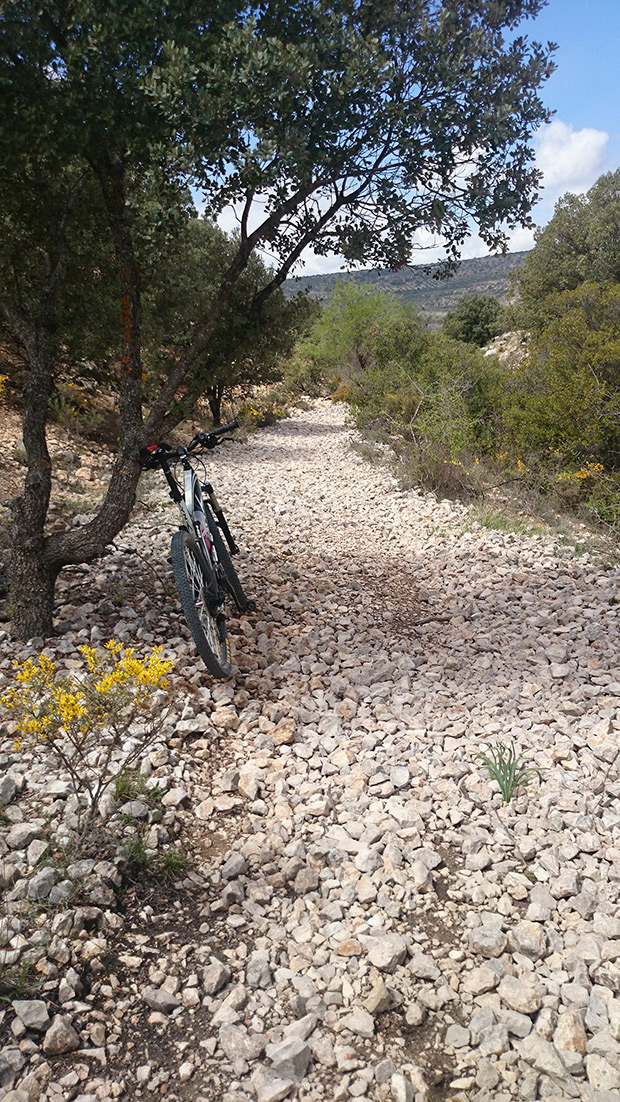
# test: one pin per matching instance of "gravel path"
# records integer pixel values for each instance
(363, 918)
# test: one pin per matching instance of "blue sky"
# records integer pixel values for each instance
(583, 138)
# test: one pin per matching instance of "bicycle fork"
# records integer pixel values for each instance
(207, 488)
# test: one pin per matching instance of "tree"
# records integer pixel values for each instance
(247, 348)
(348, 126)
(342, 337)
(474, 319)
(564, 399)
(581, 243)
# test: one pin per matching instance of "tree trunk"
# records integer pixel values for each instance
(214, 397)
(33, 585)
(38, 559)
(32, 579)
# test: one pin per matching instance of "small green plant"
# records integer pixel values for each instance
(501, 519)
(136, 857)
(129, 785)
(508, 768)
(17, 980)
(173, 863)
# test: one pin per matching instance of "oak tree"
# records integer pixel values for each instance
(348, 126)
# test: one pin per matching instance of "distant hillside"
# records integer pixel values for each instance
(486, 275)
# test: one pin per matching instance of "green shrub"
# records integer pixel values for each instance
(262, 410)
(305, 376)
(562, 402)
(475, 320)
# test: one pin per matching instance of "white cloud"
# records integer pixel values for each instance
(519, 240)
(318, 265)
(570, 160)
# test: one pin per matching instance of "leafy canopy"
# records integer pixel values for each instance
(581, 243)
(565, 398)
(351, 125)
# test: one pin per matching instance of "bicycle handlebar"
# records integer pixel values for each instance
(152, 454)
(207, 439)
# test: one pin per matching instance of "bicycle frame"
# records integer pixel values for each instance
(204, 574)
(190, 504)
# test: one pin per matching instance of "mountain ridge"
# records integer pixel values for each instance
(417, 283)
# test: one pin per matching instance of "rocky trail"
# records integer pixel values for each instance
(361, 916)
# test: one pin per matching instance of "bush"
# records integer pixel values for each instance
(580, 243)
(116, 704)
(263, 410)
(475, 320)
(305, 376)
(562, 402)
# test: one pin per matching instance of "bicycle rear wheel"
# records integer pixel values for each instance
(223, 554)
(208, 626)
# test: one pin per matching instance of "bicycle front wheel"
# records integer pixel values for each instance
(208, 627)
(223, 554)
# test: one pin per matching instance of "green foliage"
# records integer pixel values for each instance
(563, 400)
(304, 376)
(262, 410)
(501, 519)
(581, 243)
(137, 860)
(173, 863)
(430, 391)
(461, 422)
(18, 981)
(341, 337)
(508, 768)
(314, 109)
(72, 406)
(423, 384)
(247, 349)
(128, 785)
(418, 285)
(474, 321)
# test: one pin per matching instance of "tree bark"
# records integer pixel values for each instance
(33, 586)
(37, 559)
(32, 578)
(214, 397)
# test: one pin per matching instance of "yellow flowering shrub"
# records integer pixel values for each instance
(86, 719)
(262, 411)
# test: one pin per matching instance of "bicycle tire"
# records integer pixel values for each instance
(223, 554)
(209, 634)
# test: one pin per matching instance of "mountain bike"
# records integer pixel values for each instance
(201, 561)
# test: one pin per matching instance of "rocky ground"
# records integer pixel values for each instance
(361, 916)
